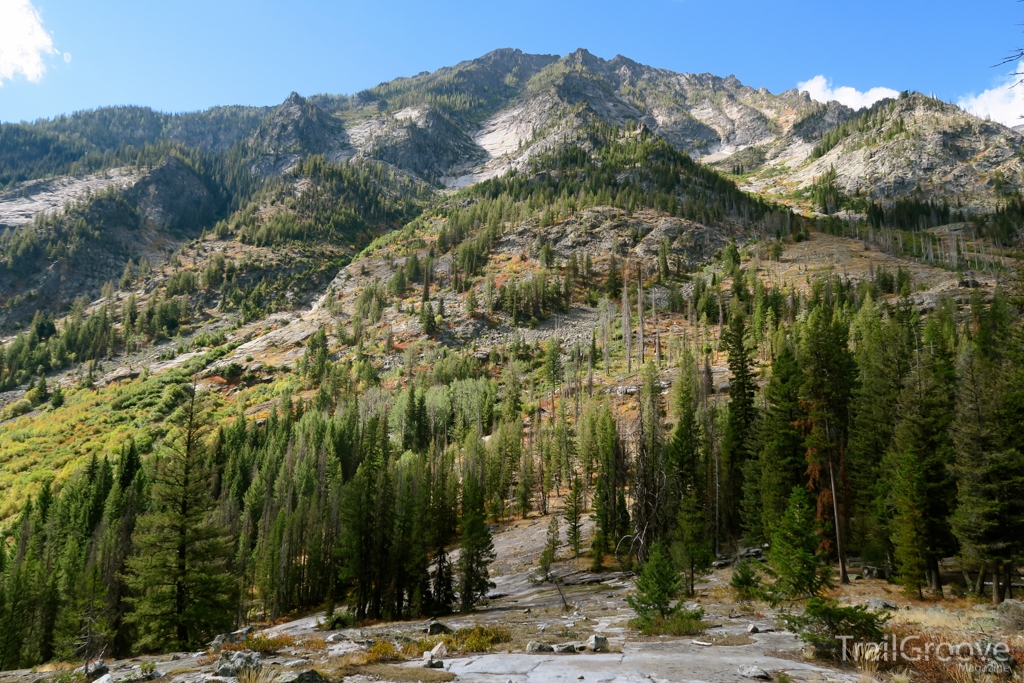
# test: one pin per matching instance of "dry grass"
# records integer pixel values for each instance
(382, 651)
(314, 643)
(262, 644)
(387, 672)
(259, 674)
(473, 639)
(930, 621)
(866, 656)
(730, 639)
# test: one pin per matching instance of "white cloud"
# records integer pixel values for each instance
(1003, 103)
(23, 41)
(821, 90)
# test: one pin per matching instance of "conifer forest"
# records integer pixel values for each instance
(343, 385)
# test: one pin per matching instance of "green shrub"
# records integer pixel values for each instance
(472, 639)
(657, 586)
(824, 621)
(339, 620)
(681, 622)
(746, 581)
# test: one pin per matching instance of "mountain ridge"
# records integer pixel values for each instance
(482, 117)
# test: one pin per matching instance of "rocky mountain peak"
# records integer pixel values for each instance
(296, 127)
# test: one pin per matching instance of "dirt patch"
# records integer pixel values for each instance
(391, 672)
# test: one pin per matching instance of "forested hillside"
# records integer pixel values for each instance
(365, 474)
(327, 387)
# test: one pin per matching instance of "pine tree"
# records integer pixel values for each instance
(477, 550)
(650, 492)
(989, 517)
(525, 486)
(553, 362)
(573, 517)
(742, 413)
(829, 378)
(182, 591)
(884, 349)
(550, 552)
(781, 458)
(909, 534)
(692, 546)
(427, 318)
(920, 462)
(613, 281)
(658, 585)
(800, 569)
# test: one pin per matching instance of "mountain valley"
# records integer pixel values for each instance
(528, 352)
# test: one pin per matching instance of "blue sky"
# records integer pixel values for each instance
(192, 54)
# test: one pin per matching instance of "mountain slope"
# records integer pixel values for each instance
(912, 147)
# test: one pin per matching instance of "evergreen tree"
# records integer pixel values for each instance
(553, 362)
(573, 517)
(800, 569)
(989, 517)
(650, 491)
(613, 280)
(739, 430)
(781, 457)
(829, 378)
(692, 549)
(477, 550)
(657, 586)
(550, 552)
(427, 318)
(179, 580)
(884, 347)
(920, 461)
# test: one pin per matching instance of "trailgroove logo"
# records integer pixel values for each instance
(995, 657)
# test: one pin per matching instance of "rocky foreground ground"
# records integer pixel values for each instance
(576, 631)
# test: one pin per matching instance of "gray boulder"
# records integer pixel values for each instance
(1011, 615)
(534, 646)
(433, 664)
(233, 638)
(984, 623)
(878, 604)
(227, 671)
(596, 643)
(754, 672)
(565, 648)
(436, 628)
(869, 572)
(996, 660)
(307, 676)
(231, 663)
(97, 670)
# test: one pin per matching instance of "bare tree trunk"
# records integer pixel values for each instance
(936, 575)
(627, 333)
(640, 308)
(843, 576)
